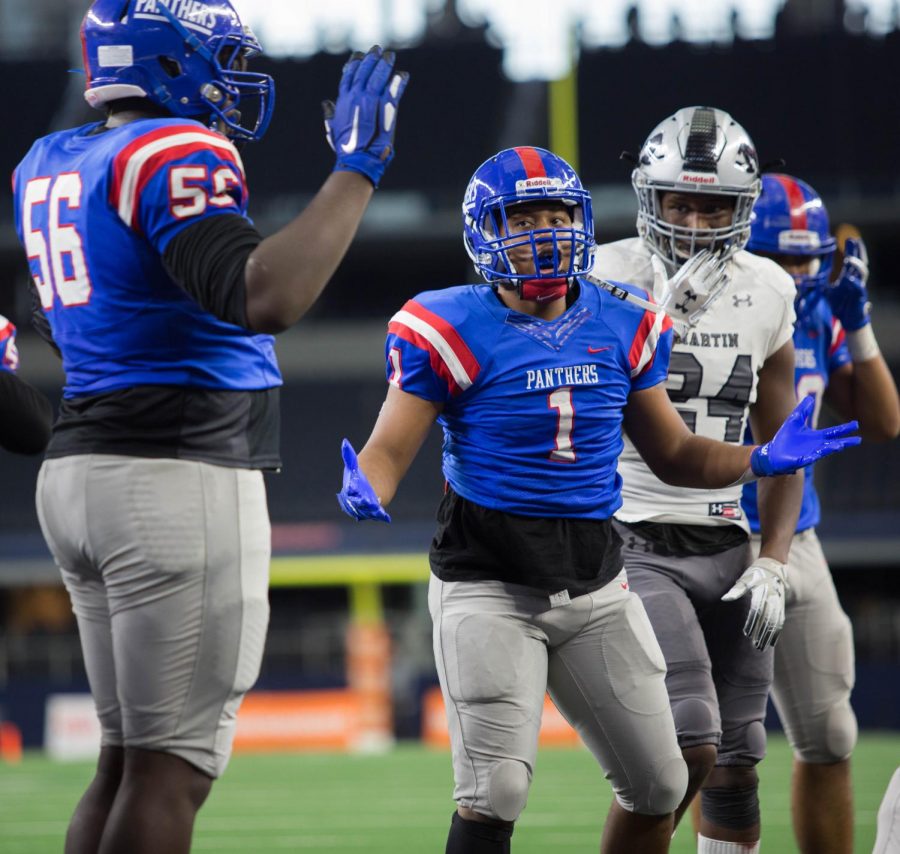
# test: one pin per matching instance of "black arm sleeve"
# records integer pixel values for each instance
(39, 319)
(25, 416)
(207, 259)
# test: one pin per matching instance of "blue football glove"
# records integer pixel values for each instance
(360, 126)
(9, 355)
(357, 498)
(848, 297)
(797, 445)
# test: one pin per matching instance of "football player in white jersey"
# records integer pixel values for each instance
(687, 550)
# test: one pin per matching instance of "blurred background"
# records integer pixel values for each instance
(815, 82)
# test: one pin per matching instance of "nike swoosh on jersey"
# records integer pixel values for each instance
(350, 144)
(597, 349)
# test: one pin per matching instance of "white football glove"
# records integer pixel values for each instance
(765, 580)
(693, 288)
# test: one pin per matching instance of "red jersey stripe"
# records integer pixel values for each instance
(449, 334)
(640, 338)
(438, 365)
(134, 149)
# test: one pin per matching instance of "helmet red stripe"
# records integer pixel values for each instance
(84, 53)
(531, 160)
(796, 201)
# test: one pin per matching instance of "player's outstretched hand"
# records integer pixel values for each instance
(765, 581)
(360, 125)
(848, 297)
(693, 288)
(9, 355)
(797, 444)
(357, 498)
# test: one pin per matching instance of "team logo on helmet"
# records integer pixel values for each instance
(195, 15)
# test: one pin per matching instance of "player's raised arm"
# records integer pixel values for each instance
(682, 458)
(862, 388)
(286, 273)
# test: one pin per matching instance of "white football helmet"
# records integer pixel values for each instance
(697, 150)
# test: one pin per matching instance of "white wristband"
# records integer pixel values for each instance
(862, 344)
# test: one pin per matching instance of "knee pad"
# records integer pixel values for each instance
(696, 721)
(831, 737)
(508, 789)
(734, 808)
(744, 745)
(666, 790)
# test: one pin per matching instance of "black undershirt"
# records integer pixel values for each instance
(475, 543)
(224, 427)
(672, 540)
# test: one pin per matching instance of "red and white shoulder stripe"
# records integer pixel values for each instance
(643, 345)
(451, 359)
(7, 328)
(838, 336)
(144, 156)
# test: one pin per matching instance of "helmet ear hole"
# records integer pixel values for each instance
(171, 67)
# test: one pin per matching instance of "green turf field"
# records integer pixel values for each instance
(399, 802)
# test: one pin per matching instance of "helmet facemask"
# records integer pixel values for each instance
(557, 254)
(676, 243)
(230, 85)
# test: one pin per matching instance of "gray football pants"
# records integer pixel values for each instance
(167, 564)
(718, 682)
(814, 661)
(500, 647)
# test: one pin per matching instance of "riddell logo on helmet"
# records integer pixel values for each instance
(192, 13)
(534, 183)
(697, 178)
(798, 239)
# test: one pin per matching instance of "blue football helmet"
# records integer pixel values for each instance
(789, 218)
(187, 57)
(516, 176)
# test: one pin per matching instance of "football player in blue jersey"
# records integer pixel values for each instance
(839, 362)
(25, 413)
(159, 293)
(533, 376)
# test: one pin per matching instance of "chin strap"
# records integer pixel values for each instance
(543, 290)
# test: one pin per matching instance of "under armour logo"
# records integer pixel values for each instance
(689, 296)
(634, 544)
(741, 299)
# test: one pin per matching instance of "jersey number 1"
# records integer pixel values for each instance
(561, 401)
(51, 245)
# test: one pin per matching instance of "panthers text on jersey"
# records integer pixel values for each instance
(532, 409)
(820, 348)
(713, 375)
(95, 209)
